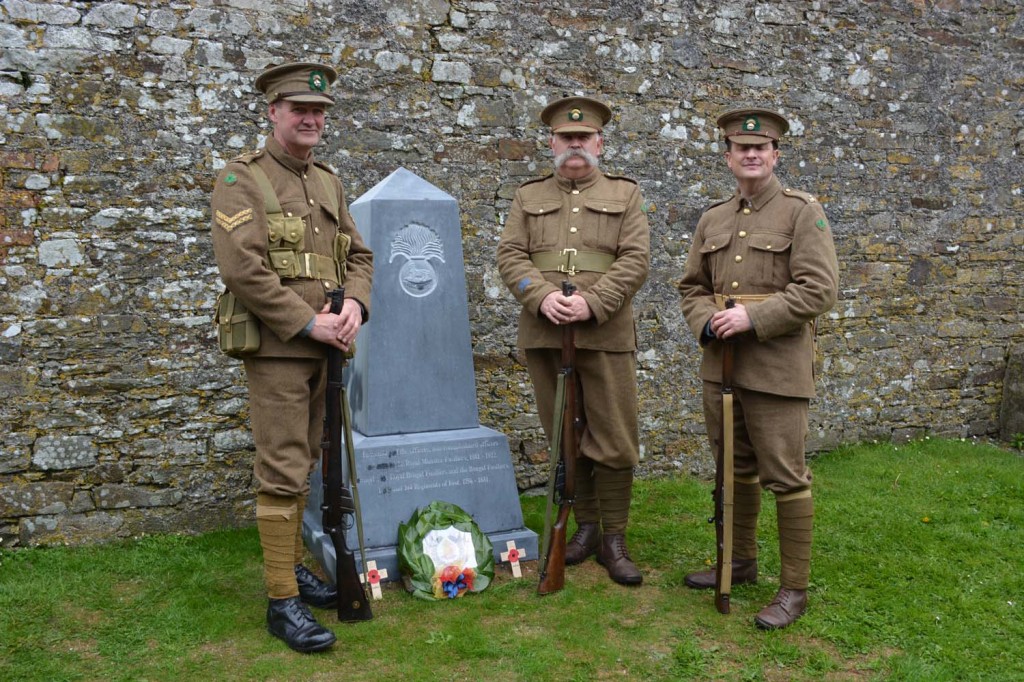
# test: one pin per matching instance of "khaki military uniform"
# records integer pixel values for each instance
(774, 254)
(287, 373)
(598, 214)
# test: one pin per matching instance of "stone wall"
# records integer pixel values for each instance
(120, 417)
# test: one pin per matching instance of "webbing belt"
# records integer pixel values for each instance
(571, 261)
(307, 266)
(720, 299)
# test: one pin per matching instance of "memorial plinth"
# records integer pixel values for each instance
(411, 385)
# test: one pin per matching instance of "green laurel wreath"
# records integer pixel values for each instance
(419, 568)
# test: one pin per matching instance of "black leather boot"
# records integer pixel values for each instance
(290, 620)
(744, 572)
(584, 543)
(314, 591)
(615, 557)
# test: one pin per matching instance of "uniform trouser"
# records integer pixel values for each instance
(610, 443)
(769, 451)
(286, 411)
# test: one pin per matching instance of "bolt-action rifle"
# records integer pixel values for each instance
(723, 492)
(566, 431)
(341, 501)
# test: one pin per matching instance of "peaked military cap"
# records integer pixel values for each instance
(298, 82)
(752, 126)
(576, 115)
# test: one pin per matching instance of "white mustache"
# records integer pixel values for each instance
(569, 153)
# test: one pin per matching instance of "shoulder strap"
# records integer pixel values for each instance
(269, 195)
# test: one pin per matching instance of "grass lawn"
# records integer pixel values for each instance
(916, 575)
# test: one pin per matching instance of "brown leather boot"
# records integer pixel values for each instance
(614, 556)
(787, 606)
(584, 543)
(744, 572)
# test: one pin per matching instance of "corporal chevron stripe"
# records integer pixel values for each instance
(231, 222)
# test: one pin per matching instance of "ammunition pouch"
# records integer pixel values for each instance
(238, 330)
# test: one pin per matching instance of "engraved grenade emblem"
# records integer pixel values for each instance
(418, 244)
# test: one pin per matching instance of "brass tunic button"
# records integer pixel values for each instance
(311, 202)
(735, 285)
(289, 214)
(284, 261)
(573, 230)
(540, 210)
(743, 233)
(769, 247)
(739, 259)
(712, 247)
(746, 211)
(576, 210)
(293, 235)
(575, 191)
(316, 230)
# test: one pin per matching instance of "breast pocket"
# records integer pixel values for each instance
(604, 222)
(713, 251)
(770, 252)
(542, 224)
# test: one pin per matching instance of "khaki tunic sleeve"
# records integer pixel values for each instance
(359, 263)
(813, 284)
(696, 286)
(520, 275)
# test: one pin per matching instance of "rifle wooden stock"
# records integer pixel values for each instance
(724, 485)
(338, 500)
(566, 432)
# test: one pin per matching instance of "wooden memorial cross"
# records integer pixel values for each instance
(374, 576)
(512, 556)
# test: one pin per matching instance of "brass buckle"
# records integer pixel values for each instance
(311, 266)
(569, 267)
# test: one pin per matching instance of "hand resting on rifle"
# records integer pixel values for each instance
(338, 330)
(730, 322)
(565, 309)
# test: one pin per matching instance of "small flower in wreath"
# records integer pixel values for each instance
(453, 581)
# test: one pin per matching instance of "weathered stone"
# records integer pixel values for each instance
(63, 452)
(71, 529)
(451, 72)
(32, 499)
(124, 497)
(109, 369)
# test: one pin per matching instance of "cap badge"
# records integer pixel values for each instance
(751, 123)
(317, 81)
(575, 115)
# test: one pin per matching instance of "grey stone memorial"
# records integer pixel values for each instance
(411, 386)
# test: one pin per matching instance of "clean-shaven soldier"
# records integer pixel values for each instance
(769, 249)
(283, 239)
